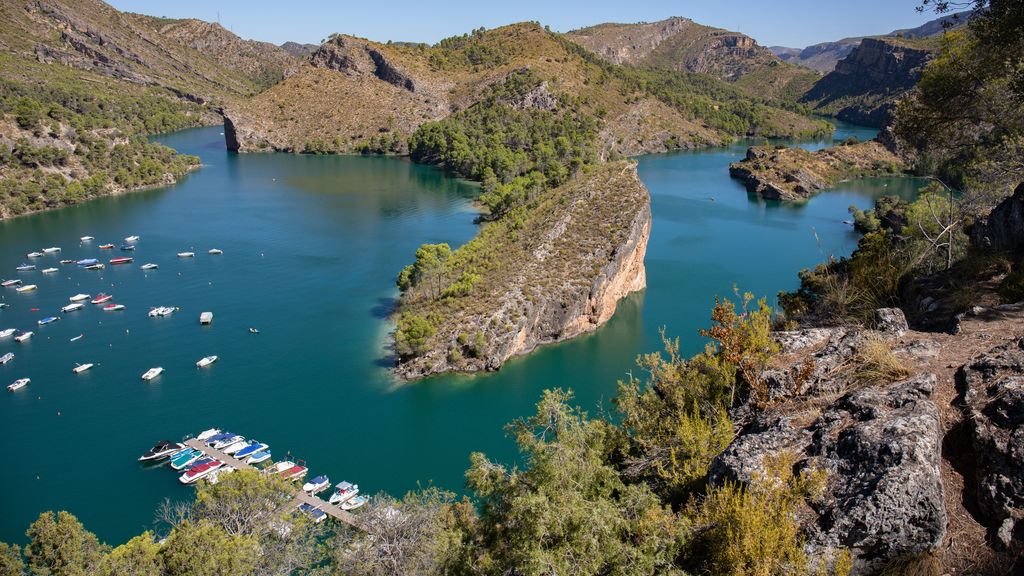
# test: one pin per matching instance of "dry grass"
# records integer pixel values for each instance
(875, 363)
(917, 565)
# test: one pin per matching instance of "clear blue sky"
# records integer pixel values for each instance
(794, 23)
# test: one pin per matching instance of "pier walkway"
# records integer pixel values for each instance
(302, 497)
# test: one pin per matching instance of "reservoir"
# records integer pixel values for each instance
(311, 246)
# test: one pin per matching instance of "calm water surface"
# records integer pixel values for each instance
(311, 247)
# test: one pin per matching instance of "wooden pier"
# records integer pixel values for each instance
(301, 497)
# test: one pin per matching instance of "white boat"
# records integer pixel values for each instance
(86, 239)
(19, 383)
(72, 307)
(152, 373)
(50, 270)
(216, 251)
(186, 254)
(207, 433)
(201, 471)
(51, 250)
(26, 288)
(8, 283)
(225, 442)
(6, 358)
(113, 307)
(259, 457)
(235, 446)
(206, 361)
(34, 254)
(7, 332)
(96, 266)
(206, 317)
(278, 467)
(79, 297)
(149, 266)
(81, 368)
(316, 484)
(23, 336)
(343, 491)
(161, 311)
(131, 239)
(354, 503)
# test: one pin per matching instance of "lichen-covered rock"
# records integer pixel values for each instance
(891, 321)
(880, 445)
(993, 394)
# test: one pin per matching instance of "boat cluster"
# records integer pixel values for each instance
(224, 452)
(79, 301)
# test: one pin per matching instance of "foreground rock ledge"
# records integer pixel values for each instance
(557, 274)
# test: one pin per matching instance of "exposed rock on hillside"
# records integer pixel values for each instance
(558, 274)
(299, 50)
(818, 57)
(795, 174)
(993, 396)
(1003, 228)
(866, 84)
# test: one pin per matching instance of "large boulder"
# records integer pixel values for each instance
(993, 394)
(880, 445)
(1003, 229)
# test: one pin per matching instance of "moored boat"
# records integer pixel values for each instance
(251, 449)
(258, 457)
(19, 383)
(208, 433)
(186, 254)
(34, 254)
(7, 332)
(101, 298)
(48, 320)
(87, 261)
(316, 484)
(9, 283)
(72, 307)
(51, 250)
(206, 317)
(122, 260)
(50, 270)
(79, 297)
(161, 449)
(152, 373)
(24, 336)
(315, 514)
(228, 441)
(206, 361)
(235, 446)
(128, 247)
(132, 238)
(149, 266)
(354, 503)
(185, 458)
(67, 261)
(216, 251)
(6, 358)
(26, 288)
(86, 239)
(77, 338)
(295, 472)
(97, 266)
(200, 471)
(217, 437)
(113, 307)
(278, 467)
(81, 368)
(26, 267)
(106, 246)
(343, 491)
(161, 311)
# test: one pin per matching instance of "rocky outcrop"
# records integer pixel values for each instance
(880, 444)
(993, 398)
(818, 57)
(795, 174)
(1003, 228)
(559, 274)
(866, 84)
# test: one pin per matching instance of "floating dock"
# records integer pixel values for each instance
(302, 497)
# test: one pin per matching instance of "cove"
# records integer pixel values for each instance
(311, 248)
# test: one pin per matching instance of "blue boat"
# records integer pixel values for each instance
(127, 247)
(250, 450)
(87, 262)
(25, 267)
(258, 457)
(315, 514)
(185, 458)
(48, 320)
(199, 462)
(218, 437)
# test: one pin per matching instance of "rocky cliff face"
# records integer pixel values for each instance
(1003, 228)
(819, 57)
(579, 251)
(865, 85)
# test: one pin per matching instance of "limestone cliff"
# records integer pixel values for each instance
(557, 273)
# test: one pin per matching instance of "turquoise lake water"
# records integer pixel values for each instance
(311, 248)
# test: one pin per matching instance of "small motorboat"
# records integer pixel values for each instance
(225, 442)
(48, 320)
(67, 261)
(86, 239)
(315, 514)
(50, 270)
(152, 373)
(317, 484)
(202, 460)
(161, 449)
(72, 307)
(149, 266)
(6, 358)
(102, 298)
(128, 247)
(206, 361)
(131, 239)
(87, 262)
(34, 254)
(206, 318)
(51, 250)
(235, 446)
(97, 266)
(207, 433)
(258, 457)
(122, 260)
(216, 251)
(19, 383)
(278, 467)
(26, 267)
(185, 458)
(7, 332)
(78, 369)
(343, 491)
(26, 288)
(251, 449)
(106, 246)
(113, 307)
(201, 471)
(355, 503)
(295, 472)
(186, 254)
(161, 311)
(253, 331)
(77, 338)
(217, 437)
(24, 336)
(9, 283)
(3, 305)
(79, 297)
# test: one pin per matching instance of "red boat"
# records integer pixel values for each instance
(122, 260)
(102, 298)
(295, 472)
(106, 246)
(200, 471)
